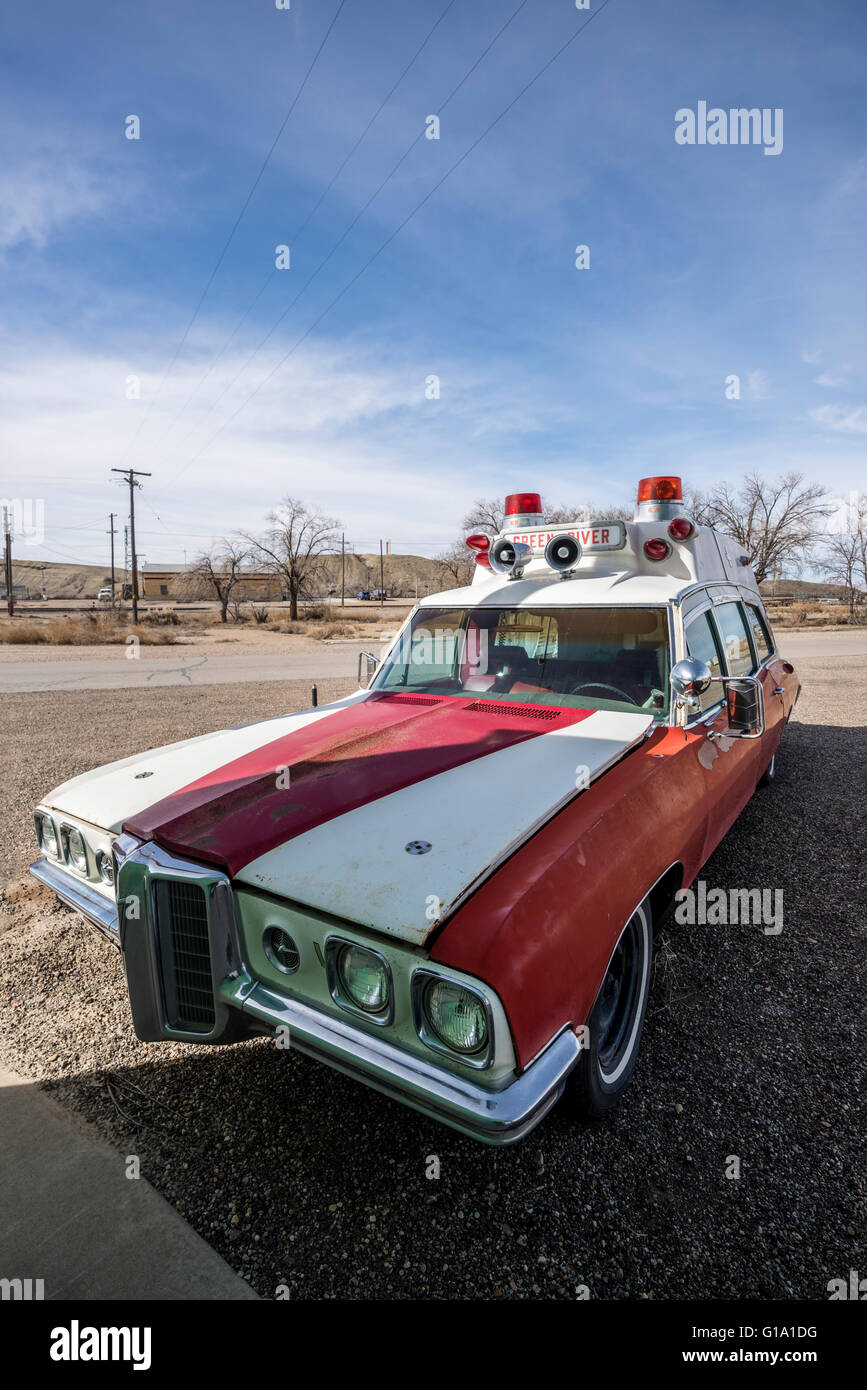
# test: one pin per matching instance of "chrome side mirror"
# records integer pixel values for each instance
(370, 664)
(691, 678)
(745, 700)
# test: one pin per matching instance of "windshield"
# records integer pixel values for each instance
(571, 658)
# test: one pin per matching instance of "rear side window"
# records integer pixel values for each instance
(736, 643)
(701, 643)
(759, 629)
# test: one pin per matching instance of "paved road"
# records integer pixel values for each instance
(337, 661)
(117, 673)
(819, 644)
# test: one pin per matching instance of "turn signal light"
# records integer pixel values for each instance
(681, 528)
(656, 549)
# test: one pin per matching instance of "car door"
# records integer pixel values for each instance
(730, 764)
(779, 683)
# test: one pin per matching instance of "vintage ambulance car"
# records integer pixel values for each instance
(446, 884)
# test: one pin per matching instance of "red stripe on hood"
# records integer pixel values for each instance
(354, 756)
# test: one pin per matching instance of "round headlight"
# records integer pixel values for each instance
(48, 836)
(456, 1015)
(105, 867)
(363, 976)
(281, 950)
(76, 853)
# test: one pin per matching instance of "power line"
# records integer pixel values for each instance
(389, 239)
(308, 219)
(356, 219)
(235, 226)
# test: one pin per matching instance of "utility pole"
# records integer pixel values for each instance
(381, 575)
(7, 531)
(342, 569)
(111, 517)
(131, 474)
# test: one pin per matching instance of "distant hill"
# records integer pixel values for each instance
(61, 581)
(401, 573)
(802, 588)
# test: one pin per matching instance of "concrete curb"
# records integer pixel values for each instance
(70, 1217)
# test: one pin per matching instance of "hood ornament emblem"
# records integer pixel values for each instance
(143, 774)
(418, 846)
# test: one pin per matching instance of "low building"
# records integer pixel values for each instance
(177, 582)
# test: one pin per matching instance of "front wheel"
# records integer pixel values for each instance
(616, 1021)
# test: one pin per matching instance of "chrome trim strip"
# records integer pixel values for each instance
(78, 894)
(495, 1117)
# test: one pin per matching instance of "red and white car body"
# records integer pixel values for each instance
(444, 884)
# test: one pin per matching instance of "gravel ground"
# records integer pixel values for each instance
(301, 1177)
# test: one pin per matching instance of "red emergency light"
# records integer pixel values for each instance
(656, 549)
(481, 544)
(660, 490)
(681, 528)
(523, 504)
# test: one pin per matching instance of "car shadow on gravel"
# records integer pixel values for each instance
(302, 1178)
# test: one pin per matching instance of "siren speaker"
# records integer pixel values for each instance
(562, 553)
(510, 557)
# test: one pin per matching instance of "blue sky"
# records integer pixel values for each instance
(705, 261)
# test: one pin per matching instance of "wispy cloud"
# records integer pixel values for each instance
(843, 419)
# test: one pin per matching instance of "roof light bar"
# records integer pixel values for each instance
(659, 499)
(523, 509)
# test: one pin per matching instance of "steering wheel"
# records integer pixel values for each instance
(600, 685)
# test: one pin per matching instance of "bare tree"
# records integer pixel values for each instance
(218, 571)
(844, 558)
(563, 515)
(486, 514)
(455, 566)
(292, 548)
(774, 520)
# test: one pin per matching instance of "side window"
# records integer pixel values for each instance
(702, 644)
(761, 638)
(736, 643)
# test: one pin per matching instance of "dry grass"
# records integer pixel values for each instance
(91, 629)
(806, 614)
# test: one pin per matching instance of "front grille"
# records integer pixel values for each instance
(185, 955)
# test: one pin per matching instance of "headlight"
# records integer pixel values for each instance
(47, 835)
(73, 844)
(363, 977)
(456, 1016)
(105, 867)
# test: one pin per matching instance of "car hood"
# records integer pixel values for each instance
(383, 809)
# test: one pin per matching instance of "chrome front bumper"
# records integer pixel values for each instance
(495, 1117)
(245, 1005)
(80, 895)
